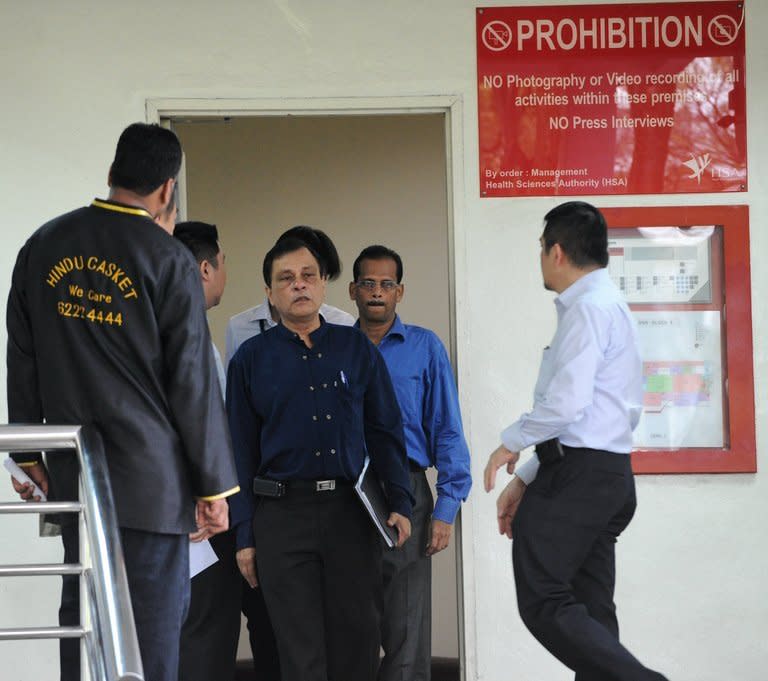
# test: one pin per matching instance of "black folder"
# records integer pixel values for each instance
(371, 493)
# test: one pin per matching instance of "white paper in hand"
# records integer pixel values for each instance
(201, 556)
(18, 474)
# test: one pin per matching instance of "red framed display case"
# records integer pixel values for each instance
(685, 271)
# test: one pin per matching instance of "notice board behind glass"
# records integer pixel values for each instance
(685, 274)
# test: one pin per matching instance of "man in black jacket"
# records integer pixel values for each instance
(106, 326)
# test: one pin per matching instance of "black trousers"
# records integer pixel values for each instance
(563, 552)
(211, 631)
(319, 564)
(266, 661)
(406, 627)
(69, 610)
(157, 566)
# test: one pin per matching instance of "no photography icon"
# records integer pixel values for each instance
(723, 30)
(497, 36)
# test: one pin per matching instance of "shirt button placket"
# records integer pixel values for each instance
(305, 357)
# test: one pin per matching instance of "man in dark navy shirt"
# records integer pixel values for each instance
(307, 400)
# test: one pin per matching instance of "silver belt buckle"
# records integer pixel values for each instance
(325, 485)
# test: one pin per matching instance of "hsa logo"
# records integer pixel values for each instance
(698, 165)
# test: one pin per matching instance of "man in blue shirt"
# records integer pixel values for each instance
(426, 392)
(306, 401)
(570, 502)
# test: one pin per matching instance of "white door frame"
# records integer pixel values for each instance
(161, 110)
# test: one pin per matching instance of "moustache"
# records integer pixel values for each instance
(374, 303)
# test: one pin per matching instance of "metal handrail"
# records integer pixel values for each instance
(29, 570)
(40, 506)
(115, 627)
(26, 633)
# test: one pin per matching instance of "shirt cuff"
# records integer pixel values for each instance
(244, 535)
(26, 460)
(528, 471)
(446, 509)
(221, 495)
(511, 438)
(400, 503)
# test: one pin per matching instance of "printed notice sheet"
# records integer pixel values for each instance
(682, 379)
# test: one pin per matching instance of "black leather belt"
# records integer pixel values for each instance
(318, 485)
(265, 487)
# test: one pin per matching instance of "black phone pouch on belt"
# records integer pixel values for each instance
(549, 451)
(263, 487)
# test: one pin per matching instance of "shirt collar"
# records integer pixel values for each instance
(397, 328)
(262, 312)
(120, 208)
(316, 336)
(589, 281)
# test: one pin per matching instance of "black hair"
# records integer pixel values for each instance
(580, 230)
(321, 246)
(200, 238)
(146, 157)
(378, 252)
(283, 246)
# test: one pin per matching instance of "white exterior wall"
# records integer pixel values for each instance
(692, 595)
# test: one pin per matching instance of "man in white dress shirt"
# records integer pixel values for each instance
(569, 503)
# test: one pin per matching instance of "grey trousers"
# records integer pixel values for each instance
(406, 628)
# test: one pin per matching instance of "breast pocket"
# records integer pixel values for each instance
(349, 406)
(409, 390)
(350, 397)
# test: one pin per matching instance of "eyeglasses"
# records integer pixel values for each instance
(370, 285)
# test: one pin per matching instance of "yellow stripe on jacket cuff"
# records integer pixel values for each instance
(222, 495)
(29, 464)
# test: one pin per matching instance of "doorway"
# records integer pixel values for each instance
(364, 179)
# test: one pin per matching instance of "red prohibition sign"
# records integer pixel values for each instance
(497, 36)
